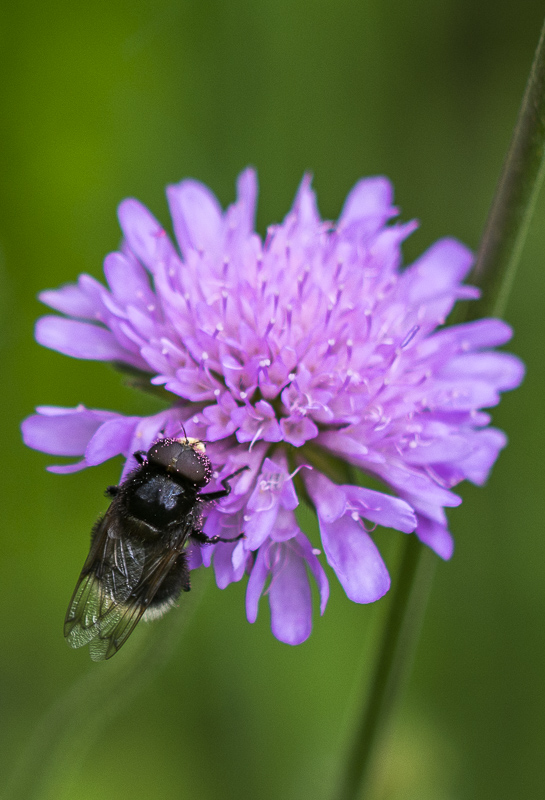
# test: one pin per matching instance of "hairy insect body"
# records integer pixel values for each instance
(137, 564)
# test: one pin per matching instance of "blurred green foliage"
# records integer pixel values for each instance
(104, 100)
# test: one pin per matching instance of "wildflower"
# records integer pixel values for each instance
(312, 347)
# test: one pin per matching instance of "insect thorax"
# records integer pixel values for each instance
(160, 501)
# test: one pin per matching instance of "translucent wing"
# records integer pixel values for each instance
(118, 582)
(113, 630)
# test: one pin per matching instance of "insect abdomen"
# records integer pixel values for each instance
(176, 582)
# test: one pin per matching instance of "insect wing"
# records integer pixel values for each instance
(113, 568)
(113, 630)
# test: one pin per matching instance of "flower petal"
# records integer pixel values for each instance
(246, 202)
(80, 300)
(439, 270)
(67, 469)
(391, 512)
(486, 446)
(436, 536)
(297, 430)
(80, 339)
(128, 280)
(196, 215)
(112, 439)
(328, 497)
(144, 235)
(465, 337)
(310, 555)
(258, 526)
(62, 431)
(500, 370)
(224, 569)
(369, 202)
(354, 557)
(256, 583)
(290, 599)
(305, 207)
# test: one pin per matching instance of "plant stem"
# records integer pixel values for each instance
(515, 197)
(497, 260)
(401, 635)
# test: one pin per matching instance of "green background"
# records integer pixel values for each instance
(103, 100)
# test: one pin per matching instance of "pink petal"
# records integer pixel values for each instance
(391, 512)
(76, 300)
(197, 216)
(316, 568)
(145, 237)
(128, 280)
(356, 561)
(328, 497)
(435, 536)
(80, 339)
(256, 583)
(371, 201)
(437, 272)
(290, 600)
(112, 439)
(65, 433)
(246, 200)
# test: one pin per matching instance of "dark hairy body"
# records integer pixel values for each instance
(137, 563)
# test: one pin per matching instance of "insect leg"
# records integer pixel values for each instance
(226, 487)
(140, 456)
(202, 538)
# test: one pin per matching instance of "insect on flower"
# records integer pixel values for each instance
(137, 564)
(315, 358)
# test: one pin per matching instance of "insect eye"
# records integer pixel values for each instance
(180, 458)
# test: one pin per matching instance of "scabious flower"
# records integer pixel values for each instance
(311, 348)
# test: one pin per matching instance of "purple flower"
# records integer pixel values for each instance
(281, 355)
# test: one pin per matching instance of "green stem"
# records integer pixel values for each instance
(401, 634)
(515, 198)
(497, 260)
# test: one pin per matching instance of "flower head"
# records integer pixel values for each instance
(283, 355)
